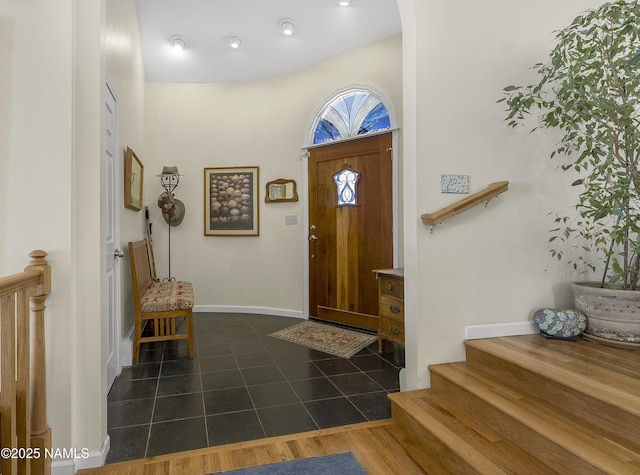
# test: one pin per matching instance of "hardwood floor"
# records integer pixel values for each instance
(519, 405)
(381, 447)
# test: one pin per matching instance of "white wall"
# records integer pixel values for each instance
(85, 347)
(486, 265)
(126, 72)
(50, 108)
(36, 164)
(196, 126)
(35, 135)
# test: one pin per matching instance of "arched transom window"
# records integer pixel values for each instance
(351, 113)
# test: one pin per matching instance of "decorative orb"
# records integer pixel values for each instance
(561, 324)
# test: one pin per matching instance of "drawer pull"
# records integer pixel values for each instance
(389, 286)
(395, 330)
(394, 308)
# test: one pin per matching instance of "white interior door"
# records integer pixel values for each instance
(112, 238)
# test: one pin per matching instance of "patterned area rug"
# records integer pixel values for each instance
(326, 338)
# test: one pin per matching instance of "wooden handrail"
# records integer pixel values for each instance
(23, 404)
(490, 192)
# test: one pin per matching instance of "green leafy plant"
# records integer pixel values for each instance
(589, 90)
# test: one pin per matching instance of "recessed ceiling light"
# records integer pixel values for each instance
(177, 43)
(344, 3)
(287, 26)
(234, 41)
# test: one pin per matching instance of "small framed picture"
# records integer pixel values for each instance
(231, 201)
(281, 190)
(133, 176)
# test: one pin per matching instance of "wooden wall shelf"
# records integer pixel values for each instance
(486, 195)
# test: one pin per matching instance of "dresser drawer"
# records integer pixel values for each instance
(392, 330)
(392, 286)
(391, 308)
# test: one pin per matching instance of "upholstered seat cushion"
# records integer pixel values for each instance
(166, 296)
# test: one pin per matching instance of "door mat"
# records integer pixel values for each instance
(329, 339)
(325, 465)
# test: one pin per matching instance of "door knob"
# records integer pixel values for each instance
(118, 253)
(313, 237)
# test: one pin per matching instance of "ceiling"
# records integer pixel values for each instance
(323, 30)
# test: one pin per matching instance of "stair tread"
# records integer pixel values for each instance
(608, 363)
(500, 451)
(416, 452)
(448, 436)
(619, 360)
(586, 431)
(585, 441)
(526, 404)
(572, 368)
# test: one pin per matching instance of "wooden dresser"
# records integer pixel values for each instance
(391, 305)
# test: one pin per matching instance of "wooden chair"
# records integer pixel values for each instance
(160, 302)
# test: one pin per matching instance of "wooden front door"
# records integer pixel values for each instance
(348, 241)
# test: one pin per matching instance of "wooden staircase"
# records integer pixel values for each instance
(527, 405)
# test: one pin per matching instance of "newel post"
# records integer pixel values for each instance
(40, 431)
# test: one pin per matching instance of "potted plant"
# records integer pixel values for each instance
(589, 91)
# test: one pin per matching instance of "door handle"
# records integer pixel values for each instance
(118, 253)
(313, 237)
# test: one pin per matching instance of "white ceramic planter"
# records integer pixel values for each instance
(612, 314)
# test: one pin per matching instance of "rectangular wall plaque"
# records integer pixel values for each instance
(454, 184)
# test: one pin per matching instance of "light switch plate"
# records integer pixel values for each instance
(454, 184)
(291, 219)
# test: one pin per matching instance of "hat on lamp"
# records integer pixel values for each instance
(169, 171)
(173, 210)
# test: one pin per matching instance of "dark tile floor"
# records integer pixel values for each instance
(242, 385)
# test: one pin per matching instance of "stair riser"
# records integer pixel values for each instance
(451, 395)
(431, 444)
(579, 404)
(480, 447)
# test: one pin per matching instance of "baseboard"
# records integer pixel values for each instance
(63, 467)
(278, 312)
(84, 459)
(493, 330)
(126, 348)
